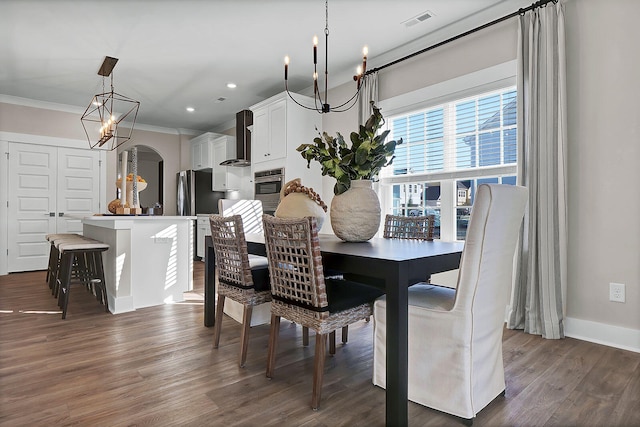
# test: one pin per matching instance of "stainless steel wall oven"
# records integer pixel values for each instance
(267, 188)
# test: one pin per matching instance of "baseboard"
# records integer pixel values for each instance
(121, 304)
(601, 333)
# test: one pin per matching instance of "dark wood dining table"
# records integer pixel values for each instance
(396, 264)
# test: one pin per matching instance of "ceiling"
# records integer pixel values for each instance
(178, 54)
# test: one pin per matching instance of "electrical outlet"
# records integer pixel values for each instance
(616, 292)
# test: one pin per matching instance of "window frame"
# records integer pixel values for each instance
(492, 79)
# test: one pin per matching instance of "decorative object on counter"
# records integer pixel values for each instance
(326, 108)
(156, 209)
(130, 186)
(107, 110)
(355, 208)
(114, 205)
(134, 164)
(130, 206)
(298, 201)
(124, 163)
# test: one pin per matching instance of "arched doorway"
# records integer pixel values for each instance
(151, 168)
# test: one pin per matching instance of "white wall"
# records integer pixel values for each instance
(604, 141)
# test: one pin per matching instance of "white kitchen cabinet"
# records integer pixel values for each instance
(203, 229)
(202, 151)
(225, 177)
(269, 135)
(279, 127)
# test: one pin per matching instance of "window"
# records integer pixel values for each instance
(447, 151)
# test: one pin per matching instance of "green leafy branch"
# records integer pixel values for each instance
(363, 160)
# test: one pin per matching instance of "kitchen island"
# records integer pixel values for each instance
(150, 259)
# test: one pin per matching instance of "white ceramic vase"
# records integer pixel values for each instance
(355, 214)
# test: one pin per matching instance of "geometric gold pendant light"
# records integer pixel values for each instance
(106, 111)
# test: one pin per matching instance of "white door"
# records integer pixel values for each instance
(49, 190)
(32, 205)
(78, 187)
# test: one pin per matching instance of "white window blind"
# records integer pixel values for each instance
(467, 134)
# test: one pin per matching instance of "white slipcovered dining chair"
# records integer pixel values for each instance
(455, 335)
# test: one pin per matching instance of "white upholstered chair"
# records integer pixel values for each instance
(455, 335)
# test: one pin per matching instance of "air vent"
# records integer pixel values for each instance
(418, 19)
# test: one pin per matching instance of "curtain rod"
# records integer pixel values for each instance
(521, 11)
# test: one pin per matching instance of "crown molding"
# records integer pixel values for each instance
(45, 105)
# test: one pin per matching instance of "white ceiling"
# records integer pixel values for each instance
(174, 54)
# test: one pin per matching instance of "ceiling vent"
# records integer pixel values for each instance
(418, 19)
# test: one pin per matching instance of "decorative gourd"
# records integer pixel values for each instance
(298, 201)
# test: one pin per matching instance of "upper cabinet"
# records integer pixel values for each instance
(279, 127)
(269, 135)
(202, 151)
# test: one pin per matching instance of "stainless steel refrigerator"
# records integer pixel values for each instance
(195, 196)
(194, 193)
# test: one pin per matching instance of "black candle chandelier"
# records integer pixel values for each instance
(322, 106)
(106, 111)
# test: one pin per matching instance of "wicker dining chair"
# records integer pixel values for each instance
(240, 278)
(409, 227)
(303, 295)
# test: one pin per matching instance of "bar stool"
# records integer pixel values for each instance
(87, 254)
(53, 268)
(53, 252)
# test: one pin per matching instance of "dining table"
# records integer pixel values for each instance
(393, 264)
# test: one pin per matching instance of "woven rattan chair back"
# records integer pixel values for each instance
(299, 291)
(235, 278)
(295, 261)
(409, 227)
(232, 259)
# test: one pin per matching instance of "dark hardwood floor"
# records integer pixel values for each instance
(157, 367)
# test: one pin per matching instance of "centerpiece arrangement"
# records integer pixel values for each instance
(355, 208)
(130, 187)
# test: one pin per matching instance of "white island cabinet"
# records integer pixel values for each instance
(149, 261)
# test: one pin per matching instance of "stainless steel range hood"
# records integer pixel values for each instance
(244, 119)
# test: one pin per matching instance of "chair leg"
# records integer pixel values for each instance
(218, 325)
(64, 282)
(345, 334)
(244, 335)
(332, 343)
(55, 272)
(305, 336)
(318, 370)
(273, 341)
(100, 275)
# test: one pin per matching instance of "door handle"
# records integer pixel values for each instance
(60, 213)
(50, 214)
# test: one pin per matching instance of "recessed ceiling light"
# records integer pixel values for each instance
(231, 85)
(191, 109)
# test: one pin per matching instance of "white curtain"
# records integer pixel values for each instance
(368, 93)
(540, 283)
